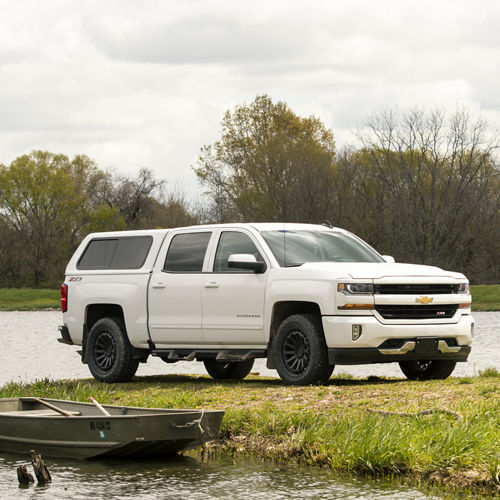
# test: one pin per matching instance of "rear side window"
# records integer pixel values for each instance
(186, 252)
(116, 253)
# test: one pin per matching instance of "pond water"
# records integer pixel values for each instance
(189, 478)
(30, 351)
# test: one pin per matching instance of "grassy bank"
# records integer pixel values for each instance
(28, 299)
(338, 426)
(484, 298)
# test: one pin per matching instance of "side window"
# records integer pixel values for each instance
(98, 254)
(187, 252)
(131, 253)
(231, 242)
(116, 253)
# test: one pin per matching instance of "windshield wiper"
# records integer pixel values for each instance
(295, 265)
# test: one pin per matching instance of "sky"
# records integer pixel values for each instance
(136, 84)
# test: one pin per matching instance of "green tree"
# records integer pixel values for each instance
(270, 164)
(45, 202)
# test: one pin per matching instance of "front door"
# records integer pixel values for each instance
(233, 299)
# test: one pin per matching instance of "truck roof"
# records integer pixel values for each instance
(259, 226)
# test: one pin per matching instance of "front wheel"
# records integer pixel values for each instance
(109, 352)
(300, 351)
(221, 370)
(427, 370)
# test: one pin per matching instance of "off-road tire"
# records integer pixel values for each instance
(300, 352)
(427, 370)
(109, 352)
(221, 370)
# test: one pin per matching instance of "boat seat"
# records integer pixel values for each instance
(36, 413)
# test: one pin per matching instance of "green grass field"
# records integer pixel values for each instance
(27, 299)
(341, 426)
(484, 298)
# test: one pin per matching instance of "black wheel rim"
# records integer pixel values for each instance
(296, 352)
(105, 351)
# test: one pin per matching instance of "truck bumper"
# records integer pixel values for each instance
(359, 356)
(65, 336)
(386, 343)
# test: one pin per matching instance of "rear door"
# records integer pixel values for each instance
(175, 290)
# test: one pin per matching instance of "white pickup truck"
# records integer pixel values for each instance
(306, 297)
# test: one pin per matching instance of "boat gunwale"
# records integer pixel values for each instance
(144, 411)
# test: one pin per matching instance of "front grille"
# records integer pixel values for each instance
(415, 289)
(435, 311)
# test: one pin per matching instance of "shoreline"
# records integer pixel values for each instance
(340, 426)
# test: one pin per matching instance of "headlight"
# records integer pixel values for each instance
(464, 288)
(355, 288)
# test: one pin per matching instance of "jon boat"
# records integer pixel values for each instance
(85, 432)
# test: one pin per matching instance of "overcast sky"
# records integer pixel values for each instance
(145, 83)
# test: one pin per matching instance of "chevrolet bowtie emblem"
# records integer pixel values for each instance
(424, 300)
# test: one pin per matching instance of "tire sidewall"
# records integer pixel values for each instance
(219, 370)
(436, 370)
(317, 368)
(124, 365)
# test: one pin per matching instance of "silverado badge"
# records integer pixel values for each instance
(424, 300)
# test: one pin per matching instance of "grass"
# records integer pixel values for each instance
(484, 298)
(335, 426)
(27, 299)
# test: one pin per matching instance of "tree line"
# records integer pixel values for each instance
(423, 186)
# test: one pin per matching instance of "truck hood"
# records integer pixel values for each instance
(376, 270)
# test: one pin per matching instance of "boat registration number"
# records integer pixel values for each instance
(100, 425)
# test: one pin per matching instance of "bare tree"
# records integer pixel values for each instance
(430, 183)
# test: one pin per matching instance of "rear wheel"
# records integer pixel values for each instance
(300, 351)
(109, 352)
(220, 370)
(427, 370)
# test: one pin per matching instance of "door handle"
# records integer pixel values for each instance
(158, 285)
(212, 284)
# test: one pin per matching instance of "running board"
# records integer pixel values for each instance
(225, 355)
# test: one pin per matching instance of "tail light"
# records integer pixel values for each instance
(64, 297)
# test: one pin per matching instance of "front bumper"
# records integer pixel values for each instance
(359, 356)
(419, 341)
(338, 331)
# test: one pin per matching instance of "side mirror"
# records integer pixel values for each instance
(246, 261)
(389, 259)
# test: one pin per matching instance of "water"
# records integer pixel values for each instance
(190, 478)
(30, 351)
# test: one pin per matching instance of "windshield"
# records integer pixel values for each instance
(294, 248)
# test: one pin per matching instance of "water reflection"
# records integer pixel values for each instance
(186, 477)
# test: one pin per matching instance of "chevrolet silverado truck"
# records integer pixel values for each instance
(306, 297)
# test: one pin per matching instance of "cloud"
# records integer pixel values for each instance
(199, 39)
(146, 83)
